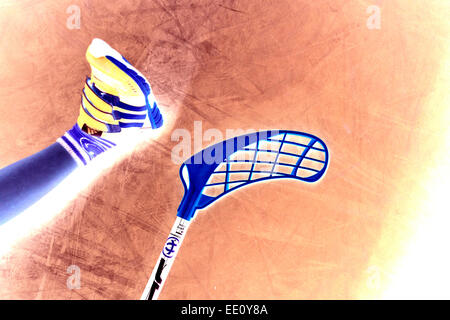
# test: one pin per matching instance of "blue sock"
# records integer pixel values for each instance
(82, 146)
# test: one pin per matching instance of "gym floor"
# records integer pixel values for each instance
(372, 84)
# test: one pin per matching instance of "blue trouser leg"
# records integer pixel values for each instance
(28, 180)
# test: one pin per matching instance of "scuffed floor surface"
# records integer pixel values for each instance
(373, 95)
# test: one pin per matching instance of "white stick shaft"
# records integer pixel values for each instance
(166, 259)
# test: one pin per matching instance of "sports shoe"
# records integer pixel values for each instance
(115, 97)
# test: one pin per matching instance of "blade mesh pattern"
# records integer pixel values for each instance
(286, 155)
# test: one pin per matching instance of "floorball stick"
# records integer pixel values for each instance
(234, 163)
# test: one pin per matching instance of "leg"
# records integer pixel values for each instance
(26, 181)
(115, 98)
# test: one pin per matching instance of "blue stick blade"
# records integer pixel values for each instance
(240, 161)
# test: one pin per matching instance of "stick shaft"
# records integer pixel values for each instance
(166, 259)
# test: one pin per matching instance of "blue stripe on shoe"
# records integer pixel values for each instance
(114, 100)
(130, 125)
(113, 128)
(123, 115)
(157, 116)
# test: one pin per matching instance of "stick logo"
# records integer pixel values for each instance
(170, 247)
(158, 280)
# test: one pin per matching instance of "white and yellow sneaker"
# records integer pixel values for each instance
(115, 97)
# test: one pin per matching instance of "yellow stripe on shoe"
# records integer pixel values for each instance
(94, 110)
(95, 124)
(95, 100)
